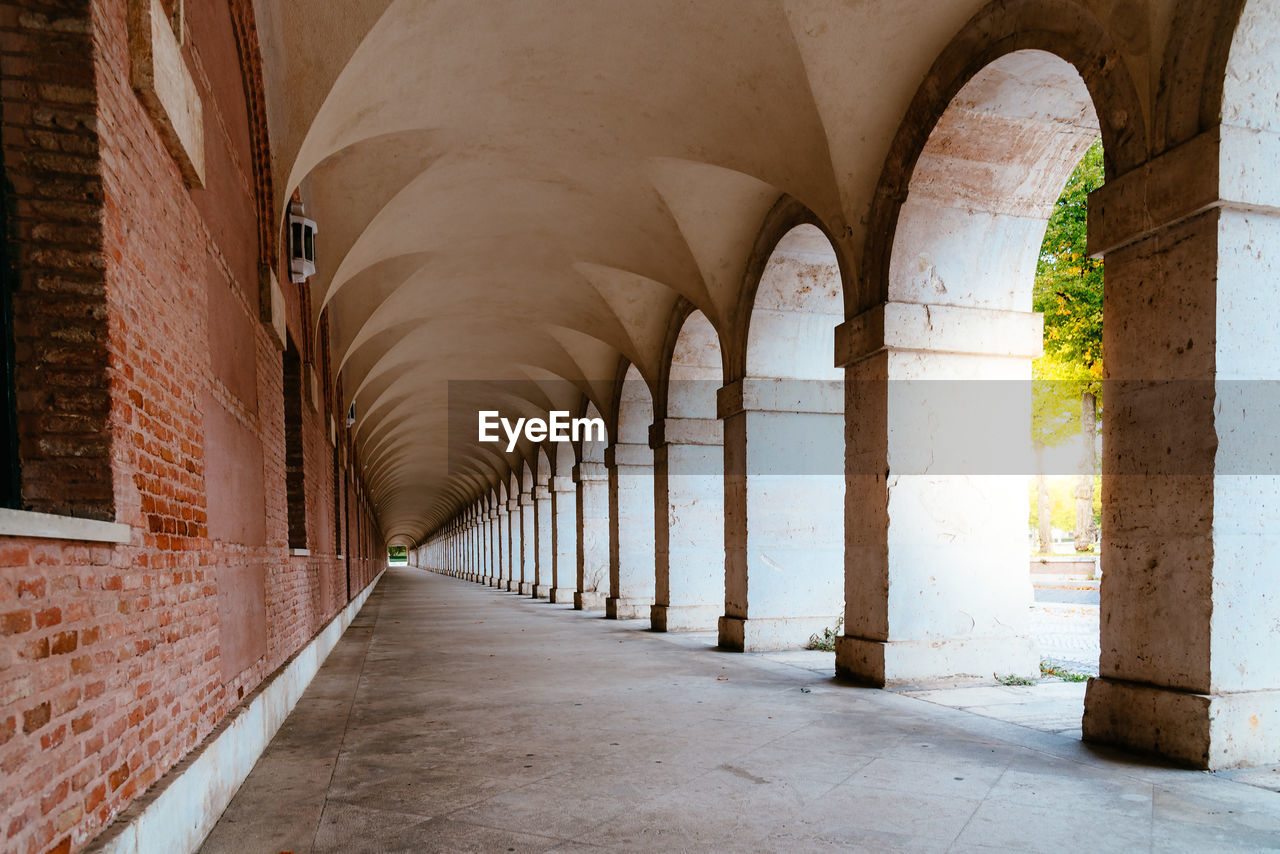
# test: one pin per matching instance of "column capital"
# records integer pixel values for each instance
(1223, 167)
(906, 326)
(562, 484)
(628, 454)
(686, 431)
(791, 396)
(589, 471)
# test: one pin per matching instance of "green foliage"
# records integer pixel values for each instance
(397, 552)
(1056, 672)
(1068, 291)
(1068, 287)
(827, 641)
(1013, 680)
(1062, 502)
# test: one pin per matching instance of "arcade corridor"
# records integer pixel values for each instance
(453, 717)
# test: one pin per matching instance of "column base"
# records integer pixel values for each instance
(526, 589)
(890, 663)
(627, 609)
(592, 600)
(683, 618)
(1208, 731)
(542, 591)
(512, 586)
(562, 595)
(760, 634)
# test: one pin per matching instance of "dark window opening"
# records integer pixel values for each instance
(10, 469)
(293, 454)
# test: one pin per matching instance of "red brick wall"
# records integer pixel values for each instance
(112, 658)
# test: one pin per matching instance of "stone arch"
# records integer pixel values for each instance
(783, 443)
(1064, 28)
(543, 523)
(688, 442)
(591, 480)
(787, 215)
(564, 515)
(938, 464)
(1195, 61)
(631, 500)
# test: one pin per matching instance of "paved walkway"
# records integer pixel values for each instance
(452, 717)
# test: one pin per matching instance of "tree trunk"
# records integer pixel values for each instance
(1043, 508)
(1085, 533)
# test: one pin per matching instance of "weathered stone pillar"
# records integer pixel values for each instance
(473, 545)
(528, 545)
(544, 523)
(504, 545)
(468, 558)
(782, 509)
(938, 458)
(688, 504)
(564, 511)
(477, 541)
(493, 546)
(592, 580)
(1189, 619)
(515, 546)
(631, 534)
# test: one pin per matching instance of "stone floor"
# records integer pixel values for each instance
(453, 717)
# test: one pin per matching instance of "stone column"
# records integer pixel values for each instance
(631, 531)
(782, 509)
(564, 570)
(1190, 619)
(528, 545)
(938, 467)
(544, 525)
(465, 554)
(471, 546)
(515, 546)
(474, 553)
(503, 546)
(592, 580)
(494, 556)
(688, 479)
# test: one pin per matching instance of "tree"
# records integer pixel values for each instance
(1068, 378)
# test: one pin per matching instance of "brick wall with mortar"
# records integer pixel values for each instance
(112, 658)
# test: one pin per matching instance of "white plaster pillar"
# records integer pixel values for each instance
(501, 549)
(688, 482)
(471, 546)
(782, 510)
(475, 537)
(592, 580)
(494, 555)
(564, 575)
(473, 541)
(528, 545)
(465, 554)
(631, 534)
(545, 555)
(938, 460)
(515, 546)
(1190, 619)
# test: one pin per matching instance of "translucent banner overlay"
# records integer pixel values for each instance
(893, 428)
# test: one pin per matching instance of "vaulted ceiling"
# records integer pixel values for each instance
(512, 196)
